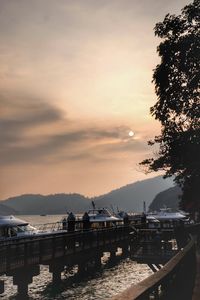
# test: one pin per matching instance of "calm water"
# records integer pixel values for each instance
(96, 286)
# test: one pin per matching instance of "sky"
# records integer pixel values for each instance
(75, 93)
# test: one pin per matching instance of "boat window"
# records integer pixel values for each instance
(23, 228)
(12, 231)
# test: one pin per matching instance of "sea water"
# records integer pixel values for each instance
(99, 285)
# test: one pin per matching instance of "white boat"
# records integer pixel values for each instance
(102, 217)
(167, 214)
(167, 218)
(101, 214)
(11, 227)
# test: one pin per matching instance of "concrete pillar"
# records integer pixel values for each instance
(1, 286)
(82, 268)
(22, 278)
(98, 261)
(22, 289)
(112, 257)
(56, 276)
(56, 270)
(133, 247)
(125, 248)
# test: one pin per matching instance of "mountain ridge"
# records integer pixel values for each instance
(135, 193)
(5, 210)
(129, 197)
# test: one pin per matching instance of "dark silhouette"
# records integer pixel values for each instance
(168, 198)
(64, 224)
(143, 219)
(126, 219)
(71, 222)
(59, 203)
(177, 87)
(86, 221)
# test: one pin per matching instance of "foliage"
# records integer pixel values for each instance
(177, 87)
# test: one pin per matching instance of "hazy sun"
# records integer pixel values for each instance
(131, 133)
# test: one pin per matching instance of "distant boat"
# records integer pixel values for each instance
(43, 215)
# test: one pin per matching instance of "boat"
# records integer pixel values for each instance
(12, 227)
(169, 218)
(102, 217)
(167, 214)
(164, 218)
(15, 228)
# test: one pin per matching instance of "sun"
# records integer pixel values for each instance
(131, 133)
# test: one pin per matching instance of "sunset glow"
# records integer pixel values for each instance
(75, 92)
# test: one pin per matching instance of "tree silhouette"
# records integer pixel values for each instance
(177, 87)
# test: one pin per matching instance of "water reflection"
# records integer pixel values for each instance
(100, 284)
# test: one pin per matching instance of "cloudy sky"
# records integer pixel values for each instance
(75, 84)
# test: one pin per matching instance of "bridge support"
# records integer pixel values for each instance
(125, 248)
(22, 278)
(85, 249)
(98, 261)
(82, 268)
(112, 258)
(1, 286)
(56, 270)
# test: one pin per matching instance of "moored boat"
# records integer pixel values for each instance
(12, 227)
(166, 214)
(102, 217)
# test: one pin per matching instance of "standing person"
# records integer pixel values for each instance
(157, 241)
(64, 224)
(71, 220)
(86, 221)
(143, 220)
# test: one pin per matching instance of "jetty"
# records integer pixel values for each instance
(172, 258)
(21, 258)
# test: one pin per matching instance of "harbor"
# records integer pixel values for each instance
(62, 252)
(100, 150)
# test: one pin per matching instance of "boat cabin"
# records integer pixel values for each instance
(13, 227)
(101, 218)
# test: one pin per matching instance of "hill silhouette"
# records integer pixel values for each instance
(50, 204)
(169, 198)
(128, 198)
(132, 196)
(5, 210)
